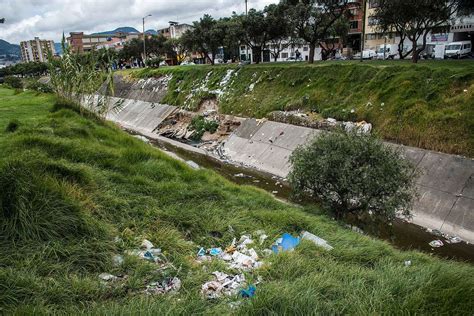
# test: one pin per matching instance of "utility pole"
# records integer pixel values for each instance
(144, 40)
(362, 42)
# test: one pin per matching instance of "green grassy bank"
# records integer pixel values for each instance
(70, 185)
(428, 105)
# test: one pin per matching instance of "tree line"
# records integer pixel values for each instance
(319, 23)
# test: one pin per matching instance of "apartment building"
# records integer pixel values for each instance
(175, 30)
(36, 50)
(80, 42)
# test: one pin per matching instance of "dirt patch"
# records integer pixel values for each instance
(209, 107)
(179, 125)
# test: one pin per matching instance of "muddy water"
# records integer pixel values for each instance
(401, 234)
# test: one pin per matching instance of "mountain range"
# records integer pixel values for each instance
(124, 29)
(9, 49)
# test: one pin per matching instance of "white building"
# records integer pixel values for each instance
(36, 50)
(288, 53)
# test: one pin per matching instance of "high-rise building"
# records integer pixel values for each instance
(36, 50)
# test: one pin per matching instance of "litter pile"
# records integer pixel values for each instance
(223, 284)
(313, 121)
(243, 259)
(448, 239)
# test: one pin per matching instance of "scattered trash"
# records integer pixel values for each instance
(146, 244)
(201, 252)
(454, 240)
(107, 277)
(223, 284)
(285, 243)
(436, 243)
(215, 251)
(275, 192)
(316, 240)
(241, 175)
(407, 263)
(192, 164)
(249, 292)
(168, 285)
(117, 260)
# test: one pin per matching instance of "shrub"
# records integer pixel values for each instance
(352, 173)
(12, 126)
(40, 87)
(200, 125)
(14, 82)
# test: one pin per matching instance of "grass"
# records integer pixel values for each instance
(428, 105)
(69, 185)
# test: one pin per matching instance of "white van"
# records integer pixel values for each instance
(387, 51)
(458, 49)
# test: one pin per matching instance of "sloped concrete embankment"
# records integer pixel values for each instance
(446, 184)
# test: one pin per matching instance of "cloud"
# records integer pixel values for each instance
(47, 19)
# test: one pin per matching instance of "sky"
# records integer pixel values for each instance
(47, 19)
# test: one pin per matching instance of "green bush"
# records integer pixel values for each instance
(14, 82)
(352, 173)
(40, 87)
(200, 125)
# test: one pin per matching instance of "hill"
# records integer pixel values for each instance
(428, 105)
(76, 192)
(9, 49)
(124, 29)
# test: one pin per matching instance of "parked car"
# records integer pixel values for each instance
(458, 49)
(294, 59)
(187, 63)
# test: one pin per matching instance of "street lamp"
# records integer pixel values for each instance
(144, 39)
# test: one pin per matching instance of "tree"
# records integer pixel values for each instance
(132, 50)
(205, 38)
(279, 30)
(313, 19)
(338, 31)
(254, 32)
(415, 20)
(352, 173)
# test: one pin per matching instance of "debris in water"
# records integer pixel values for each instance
(192, 164)
(454, 240)
(436, 243)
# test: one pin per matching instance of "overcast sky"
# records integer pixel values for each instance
(47, 19)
